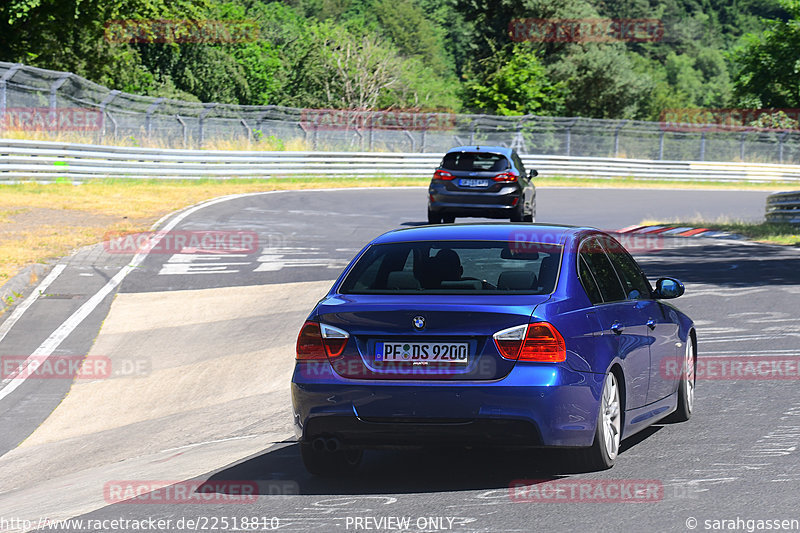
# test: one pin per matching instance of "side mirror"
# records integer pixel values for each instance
(533, 173)
(667, 288)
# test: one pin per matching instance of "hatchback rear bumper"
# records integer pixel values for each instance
(535, 405)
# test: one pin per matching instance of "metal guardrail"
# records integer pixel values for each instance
(783, 207)
(47, 161)
(39, 99)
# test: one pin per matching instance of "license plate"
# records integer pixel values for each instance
(473, 183)
(411, 352)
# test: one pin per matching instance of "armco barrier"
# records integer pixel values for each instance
(47, 161)
(783, 207)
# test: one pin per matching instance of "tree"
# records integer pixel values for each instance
(517, 86)
(769, 63)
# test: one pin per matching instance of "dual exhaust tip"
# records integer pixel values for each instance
(330, 444)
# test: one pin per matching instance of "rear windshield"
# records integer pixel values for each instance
(455, 267)
(476, 161)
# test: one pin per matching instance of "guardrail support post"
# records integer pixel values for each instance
(201, 119)
(247, 130)
(741, 146)
(661, 145)
(55, 87)
(149, 113)
(114, 122)
(410, 138)
(103, 105)
(781, 138)
(3, 91)
(185, 131)
(616, 137)
(568, 136)
(702, 146)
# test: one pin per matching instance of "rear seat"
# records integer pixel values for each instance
(517, 280)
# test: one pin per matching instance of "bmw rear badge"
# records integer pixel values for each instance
(419, 322)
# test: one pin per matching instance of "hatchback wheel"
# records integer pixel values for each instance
(603, 452)
(434, 218)
(448, 219)
(517, 214)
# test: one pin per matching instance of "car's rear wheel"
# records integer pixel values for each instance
(517, 214)
(325, 463)
(605, 448)
(448, 219)
(434, 218)
(686, 387)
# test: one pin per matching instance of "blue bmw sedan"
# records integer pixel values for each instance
(490, 334)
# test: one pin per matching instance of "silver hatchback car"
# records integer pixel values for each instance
(481, 181)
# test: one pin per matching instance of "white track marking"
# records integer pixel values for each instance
(6, 326)
(55, 339)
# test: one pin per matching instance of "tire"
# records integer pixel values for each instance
(603, 452)
(434, 218)
(330, 464)
(448, 219)
(686, 387)
(527, 218)
(516, 214)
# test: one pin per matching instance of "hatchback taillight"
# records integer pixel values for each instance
(442, 175)
(539, 341)
(505, 177)
(320, 341)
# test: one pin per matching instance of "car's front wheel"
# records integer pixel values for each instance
(605, 448)
(322, 462)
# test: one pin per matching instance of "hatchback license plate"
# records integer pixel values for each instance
(445, 352)
(473, 183)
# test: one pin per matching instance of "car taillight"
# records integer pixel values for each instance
(539, 341)
(320, 341)
(505, 177)
(442, 175)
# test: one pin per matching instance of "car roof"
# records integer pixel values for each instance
(482, 148)
(546, 233)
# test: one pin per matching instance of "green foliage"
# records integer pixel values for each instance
(519, 86)
(769, 63)
(426, 54)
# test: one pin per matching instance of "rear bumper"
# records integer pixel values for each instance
(474, 203)
(533, 406)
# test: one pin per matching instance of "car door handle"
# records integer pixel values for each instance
(617, 328)
(651, 324)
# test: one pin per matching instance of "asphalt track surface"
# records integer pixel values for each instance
(201, 347)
